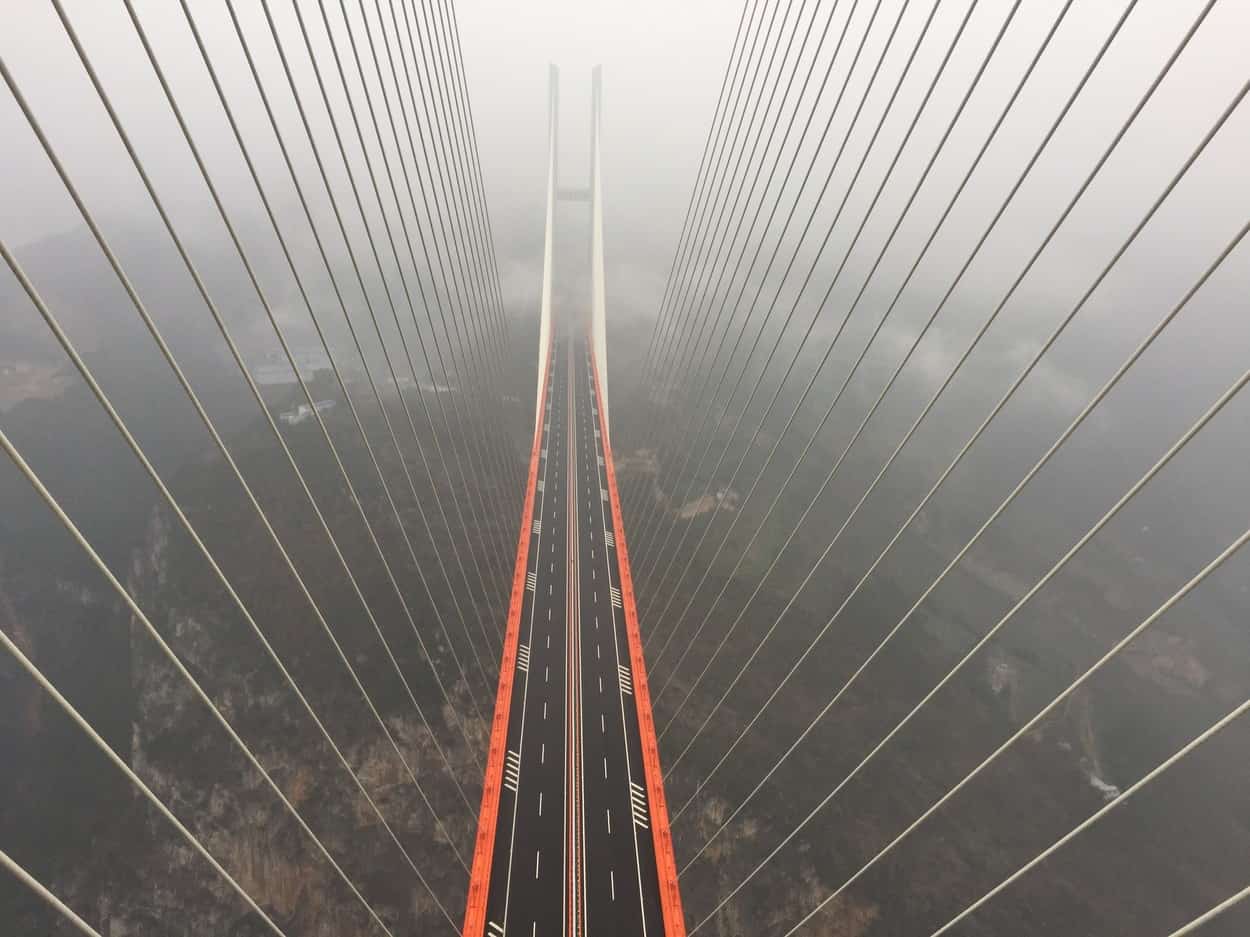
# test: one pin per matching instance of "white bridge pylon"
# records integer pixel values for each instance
(544, 315)
(593, 194)
(598, 298)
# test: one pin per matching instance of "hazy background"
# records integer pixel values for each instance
(663, 65)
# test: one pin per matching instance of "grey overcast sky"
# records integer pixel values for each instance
(663, 67)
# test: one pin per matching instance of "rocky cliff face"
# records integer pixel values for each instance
(85, 831)
(1151, 866)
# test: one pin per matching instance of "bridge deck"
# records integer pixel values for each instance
(573, 836)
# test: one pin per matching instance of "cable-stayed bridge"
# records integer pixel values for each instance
(898, 590)
(573, 740)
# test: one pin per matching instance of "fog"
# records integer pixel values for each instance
(664, 66)
(837, 243)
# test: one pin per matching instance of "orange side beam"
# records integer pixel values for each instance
(492, 784)
(670, 895)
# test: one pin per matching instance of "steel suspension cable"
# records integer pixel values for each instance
(1212, 913)
(236, 354)
(1072, 427)
(333, 200)
(500, 549)
(478, 336)
(829, 290)
(510, 499)
(496, 452)
(699, 196)
(1057, 567)
(451, 168)
(383, 344)
(705, 227)
(703, 381)
(472, 338)
(416, 381)
(176, 662)
(659, 327)
(355, 335)
(657, 509)
(132, 443)
(516, 472)
(454, 78)
(691, 301)
(119, 763)
(482, 337)
(1036, 720)
(833, 59)
(829, 411)
(715, 146)
(703, 293)
(46, 895)
(468, 354)
(998, 309)
(972, 86)
(439, 82)
(759, 332)
(771, 133)
(171, 360)
(496, 643)
(488, 641)
(453, 156)
(733, 179)
(1115, 802)
(317, 326)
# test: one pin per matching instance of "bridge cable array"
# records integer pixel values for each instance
(680, 363)
(479, 327)
(1037, 357)
(729, 363)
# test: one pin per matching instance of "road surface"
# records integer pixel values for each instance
(573, 853)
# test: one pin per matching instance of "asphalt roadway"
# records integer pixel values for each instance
(573, 851)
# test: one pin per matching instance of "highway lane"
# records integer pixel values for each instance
(527, 891)
(621, 881)
(573, 853)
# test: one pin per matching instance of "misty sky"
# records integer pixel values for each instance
(829, 263)
(663, 68)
